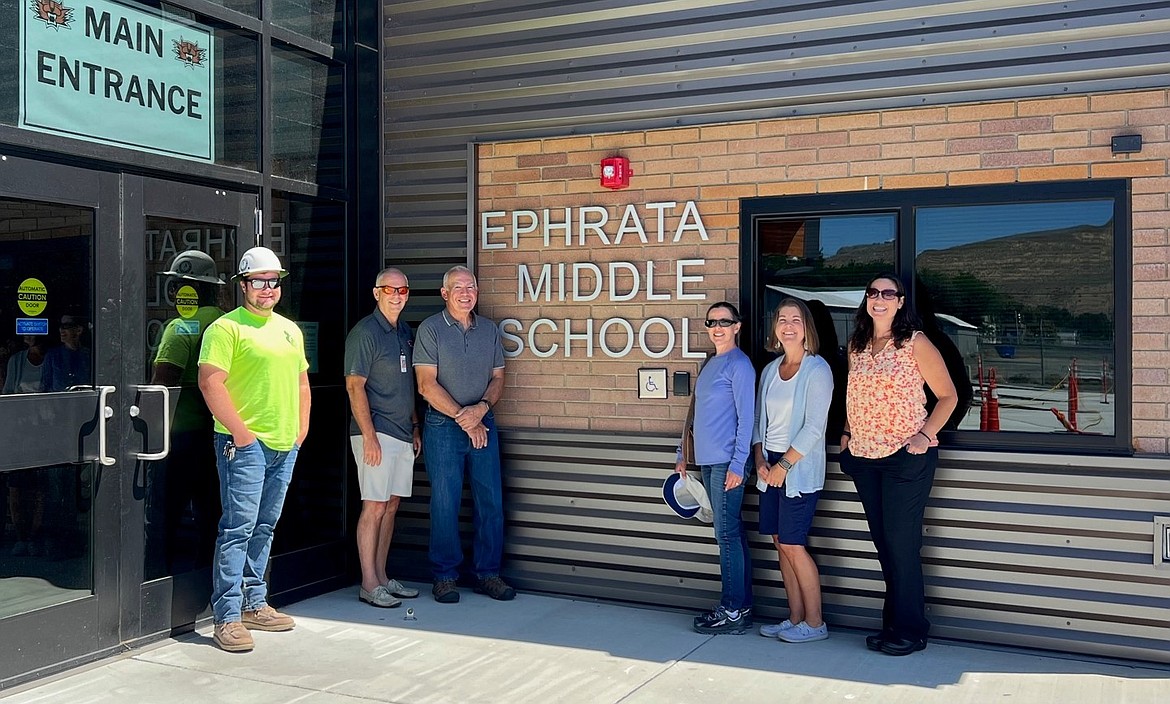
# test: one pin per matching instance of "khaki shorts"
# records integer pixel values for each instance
(394, 477)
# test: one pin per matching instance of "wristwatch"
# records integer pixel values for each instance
(785, 464)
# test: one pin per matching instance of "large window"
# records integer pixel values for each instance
(1023, 288)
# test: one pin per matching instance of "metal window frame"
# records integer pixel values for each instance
(903, 203)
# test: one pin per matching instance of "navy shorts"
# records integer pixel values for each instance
(787, 518)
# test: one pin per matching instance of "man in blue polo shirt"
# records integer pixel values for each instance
(383, 431)
(459, 362)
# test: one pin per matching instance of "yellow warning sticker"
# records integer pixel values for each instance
(186, 301)
(32, 296)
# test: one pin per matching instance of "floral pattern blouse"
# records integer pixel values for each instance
(885, 399)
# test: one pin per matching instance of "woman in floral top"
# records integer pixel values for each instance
(890, 449)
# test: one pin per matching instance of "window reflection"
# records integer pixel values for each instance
(1024, 292)
(308, 118)
(826, 262)
(45, 511)
(825, 258)
(316, 19)
(189, 263)
(309, 236)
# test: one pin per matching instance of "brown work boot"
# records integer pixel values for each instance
(233, 637)
(267, 618)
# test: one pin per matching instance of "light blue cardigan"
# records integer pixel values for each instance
(814, 393)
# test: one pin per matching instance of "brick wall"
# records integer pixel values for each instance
(1031, 140)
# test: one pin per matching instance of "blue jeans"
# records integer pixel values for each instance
(252, 486)
(448, 453)
(735, 561)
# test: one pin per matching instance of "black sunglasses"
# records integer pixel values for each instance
(887, 294)
(719, 322)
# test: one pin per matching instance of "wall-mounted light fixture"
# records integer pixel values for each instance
(1126, 144)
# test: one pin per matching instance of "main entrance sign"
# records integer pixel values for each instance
(107, 72)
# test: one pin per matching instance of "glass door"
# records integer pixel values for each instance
(59, 423)
(190, 236)
(108, 494)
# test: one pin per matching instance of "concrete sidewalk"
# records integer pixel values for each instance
(543, 649)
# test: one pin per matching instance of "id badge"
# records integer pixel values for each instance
(402, 362)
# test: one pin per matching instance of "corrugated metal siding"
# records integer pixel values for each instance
(1039, 551)
(458, 72)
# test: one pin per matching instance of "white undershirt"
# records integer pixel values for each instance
(30, 378)
(779, 396)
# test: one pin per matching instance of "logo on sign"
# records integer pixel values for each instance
(53, 14)
(189, 52)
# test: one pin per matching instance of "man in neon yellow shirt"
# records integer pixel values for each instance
(254, 377)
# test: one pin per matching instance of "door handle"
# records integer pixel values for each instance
(135, 411)
(106, 413)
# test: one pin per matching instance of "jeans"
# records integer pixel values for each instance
(252, 486)
(735, 561)
(893, 491)
(448, 453)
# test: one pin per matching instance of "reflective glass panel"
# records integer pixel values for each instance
(825, 261)
(187, 264)
(309, 237)
(1024, 293)
(308, 118)
(9, 61)
(46, 283)
(825, 258)
(315, 19)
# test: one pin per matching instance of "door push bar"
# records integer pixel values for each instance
(135, 411)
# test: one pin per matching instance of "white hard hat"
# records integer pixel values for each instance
(258, 259)
(194, 265)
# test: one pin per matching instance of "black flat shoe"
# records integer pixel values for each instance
(901, 646)
(874, 641)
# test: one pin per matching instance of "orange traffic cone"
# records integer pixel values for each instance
(992, 404)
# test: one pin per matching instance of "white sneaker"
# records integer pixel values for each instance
(804, 633)
(776, 629)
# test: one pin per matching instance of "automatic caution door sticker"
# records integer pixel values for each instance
(186, 301)
(32, 296)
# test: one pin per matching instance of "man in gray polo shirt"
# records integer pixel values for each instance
(459, 362)
(383, 432)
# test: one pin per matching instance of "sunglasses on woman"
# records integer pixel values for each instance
(887, 294)
(719, 322)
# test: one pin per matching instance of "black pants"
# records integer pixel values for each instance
(893, 491)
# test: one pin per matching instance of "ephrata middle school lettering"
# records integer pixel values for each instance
(63, 72)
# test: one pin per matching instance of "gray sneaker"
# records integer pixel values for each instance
(380, 597)
(774, 630)
(804, 633)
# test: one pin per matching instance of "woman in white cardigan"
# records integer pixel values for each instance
(788, 446)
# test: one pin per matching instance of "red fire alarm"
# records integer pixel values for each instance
(615, 172)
